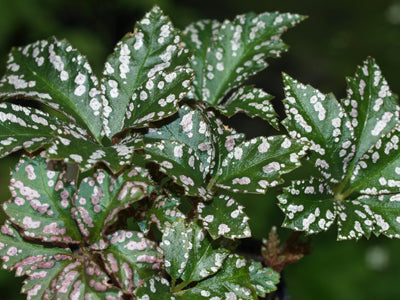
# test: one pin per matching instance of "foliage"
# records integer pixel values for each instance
(152, 149)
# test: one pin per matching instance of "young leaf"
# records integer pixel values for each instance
(54, 73)
(235, 51)
(354, 146)
(224, 217)
(264, 280)
(154, 46)
(40, 202)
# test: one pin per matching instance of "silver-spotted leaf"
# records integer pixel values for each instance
(72, 145)
(131, 258)
(190, 128)
(354, 145)
(264, 280)
(54, 73)
(224, 217)
(254, 165)
(189, 255)
(181, 163)
(176, 243)
(320, 120)
(157, 98)
(99, 200)
(155, 288)
(309, 205)
(154, 46)
(41, 264)
(41, 202)
(232, 282)
(372, 108)
(236, 50)
(162, 213)
(253, 102)
(24, 127)
(203, 259)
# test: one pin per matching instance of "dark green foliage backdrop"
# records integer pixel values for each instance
(337, 36)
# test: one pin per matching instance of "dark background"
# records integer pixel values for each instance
(337, 36)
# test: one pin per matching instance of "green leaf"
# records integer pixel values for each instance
(24, 127)
(251, 101)
(181, 163)
(232, 281)
(157, 98)
(54, 73)
(378, 171)
(203, 259)
(190, 128)
(100, 199)
(320, 120)
(41, 202)
(74, 146)
(154, 46)
(175, 243)
(224, 217)
(155, 288)
(309, 205)
(254, 165)
(235, 51)
(371, 106)
(131, 258)
(354, 146)
(264, 280)
(162, 213)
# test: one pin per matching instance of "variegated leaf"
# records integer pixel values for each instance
(190, 128)
(154, 46)
(320, 120)
(73, 145)
(156, 287)
(181, 163)
(175, 243)
(162, 213)
(189, 255)
(355, 148)
(254, 165)
(100, 199)
(224, 217)
(25, 127)
(264, 280)
(157, 98)
(236, 50)
(54, 73)
(41, 202)
(131, 258)
(232, 281)
(372, 108)
(251, 101)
